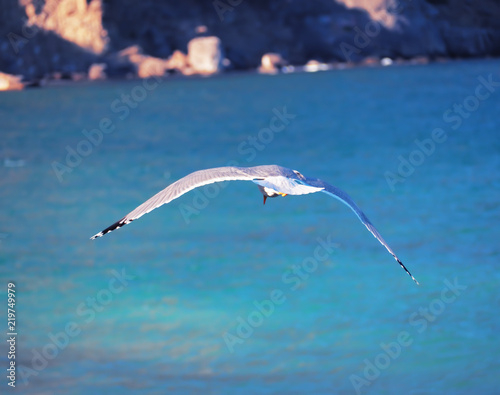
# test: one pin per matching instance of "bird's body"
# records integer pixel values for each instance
(272, 180)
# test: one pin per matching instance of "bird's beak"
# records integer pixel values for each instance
(265, 198)
(283, 194)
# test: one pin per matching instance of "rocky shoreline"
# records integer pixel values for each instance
(72, 40)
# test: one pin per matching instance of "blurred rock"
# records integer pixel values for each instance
(78, 21)
(384, 12)
(145, 66)
(97, 71)
(313, 65)
(151, 67)
(202, 29)
(271, 63)
(78, 76)
(370, 61)
(386, 61)
(10, 82)
(205, 55)
(420, 60)
(177, 62)
(39, 38)
(132, 54)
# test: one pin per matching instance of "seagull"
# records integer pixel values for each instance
(272, 180)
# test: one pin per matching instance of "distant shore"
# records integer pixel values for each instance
(66, 79)
(74, 40)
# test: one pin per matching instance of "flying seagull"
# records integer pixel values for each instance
(272, 181)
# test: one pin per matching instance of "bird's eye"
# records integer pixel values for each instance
(300, 175)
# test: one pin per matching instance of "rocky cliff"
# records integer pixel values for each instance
(40, 38)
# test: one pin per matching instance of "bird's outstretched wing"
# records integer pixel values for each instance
(346, 199)
(186, 184)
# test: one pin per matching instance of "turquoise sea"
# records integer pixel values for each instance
(216, 293)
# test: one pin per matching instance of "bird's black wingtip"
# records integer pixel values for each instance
(406, 270)
(116, 225)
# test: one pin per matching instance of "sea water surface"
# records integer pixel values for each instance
(216, 293)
